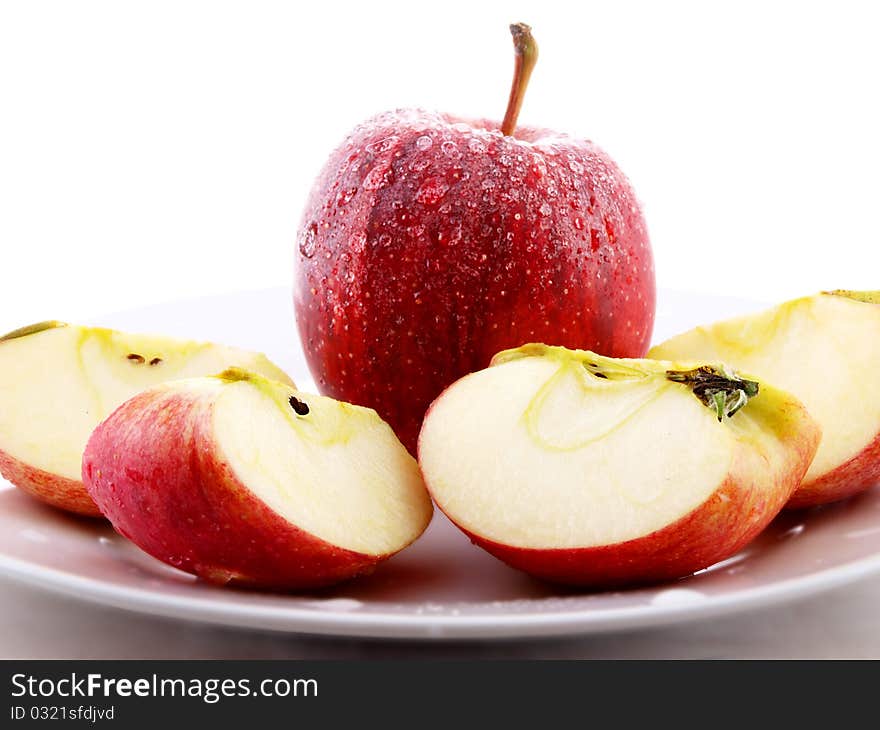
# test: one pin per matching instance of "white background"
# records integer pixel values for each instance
(157, 150)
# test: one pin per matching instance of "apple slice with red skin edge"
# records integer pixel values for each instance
(59, 381)
(824, 349)
(601, 472)
(244, 480)
(431, 241)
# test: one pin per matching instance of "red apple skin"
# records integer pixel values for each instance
(427, 259)
(153, 469)
(861, 472)
(51, 489)
(728, 520)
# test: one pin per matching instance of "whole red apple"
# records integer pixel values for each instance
(430, 242)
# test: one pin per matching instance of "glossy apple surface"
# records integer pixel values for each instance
(601, 472)
(58, 381)
(244, 480)
(824, 349)
(430, 242)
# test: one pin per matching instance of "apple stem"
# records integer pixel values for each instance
(722, 391)
(526, 55)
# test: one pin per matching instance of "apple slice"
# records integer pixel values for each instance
(824, 349)
(598, 472)
(241, 479)
(58, 381)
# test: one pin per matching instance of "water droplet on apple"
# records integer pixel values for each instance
(431, 191)
(545, 209)
(575, 166)
(309, 240)
(382, 145)
(345, 196)
(450, 149)
(424, 142)
(462, 127)
(378, 177)
(419, 164)
(476, 145)
(452, 236)
(578, 223)
(359, 242)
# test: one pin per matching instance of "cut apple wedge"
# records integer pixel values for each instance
(58, 381)
(825, 350)
(599, 472)
(241, 479)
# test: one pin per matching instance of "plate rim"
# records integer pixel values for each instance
(296, 620)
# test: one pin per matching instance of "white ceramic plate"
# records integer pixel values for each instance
(441, 587)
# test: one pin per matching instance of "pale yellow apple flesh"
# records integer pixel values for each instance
(58, 381)
(552, 458)
(825, 350)
(336, 471)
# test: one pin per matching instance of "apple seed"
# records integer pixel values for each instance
(299, 407)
